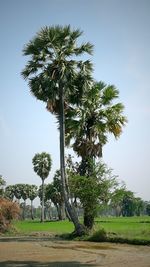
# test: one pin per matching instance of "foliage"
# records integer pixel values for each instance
(91, 190)
(9, 192)
(86, 190)
(90, 123)
(2, 184)
(8, 211)
(18, 191)
(52, 62)
(42, 164)
(33, 192)
(55, 194)
(148, 209)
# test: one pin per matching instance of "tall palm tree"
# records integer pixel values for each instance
(42, 166)
(88, 126)
(58, 79)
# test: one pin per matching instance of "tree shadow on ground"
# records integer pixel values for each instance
(44, 264)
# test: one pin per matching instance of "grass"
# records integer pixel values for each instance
(128, 227)
(135, 230)
(57, 227)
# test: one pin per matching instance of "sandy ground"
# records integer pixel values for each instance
(52, 252)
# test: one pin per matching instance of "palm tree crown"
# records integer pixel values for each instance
(90, 123)
(42, 164)
(53, 51)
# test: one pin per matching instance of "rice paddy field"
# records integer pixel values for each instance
(129, 228)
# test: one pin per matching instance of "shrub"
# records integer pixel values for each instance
(98, 236)
(8, 211)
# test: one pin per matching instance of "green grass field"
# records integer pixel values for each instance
(129, 228)
(126, 228)
(57, 227)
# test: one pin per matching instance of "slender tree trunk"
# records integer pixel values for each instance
(79, 228)
(32, 217)
(42, 211)
(62, 207)
(24, 207)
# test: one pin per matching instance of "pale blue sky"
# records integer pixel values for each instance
(120, 32)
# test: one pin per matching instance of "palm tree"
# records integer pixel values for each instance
(24, 195)
(89, 125)
(18, 191)
(42, 166)
(32, 195)
(56, 78)
(9, 192)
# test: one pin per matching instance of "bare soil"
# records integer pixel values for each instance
(48, 252)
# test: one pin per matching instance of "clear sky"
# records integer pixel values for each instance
(120, 33)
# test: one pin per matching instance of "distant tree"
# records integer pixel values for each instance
(42, 166)
(25, 196)
(57, 183)
(32, 194)
(9, 192)
(128, 204)
(2, 184)
(18, 191)
(54, 193)
(117, 200)
(138, 206)
(148, 208)
(48, 209)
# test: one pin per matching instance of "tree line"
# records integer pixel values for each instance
(111, 198)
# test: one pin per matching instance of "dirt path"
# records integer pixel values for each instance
(57, 253)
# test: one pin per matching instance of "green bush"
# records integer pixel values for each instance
(98, 236)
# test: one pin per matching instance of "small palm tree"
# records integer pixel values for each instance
(89, 125)
(42, 166)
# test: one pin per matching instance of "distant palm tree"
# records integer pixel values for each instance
(33, 192)
(18, 191)
(89, 124)
(9, 192)
(42, 166)
(58, 79)
(24, 195)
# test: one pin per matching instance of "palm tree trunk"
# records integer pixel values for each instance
(32, 217)
(79, 228)
(42, 212)
(24, 207)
